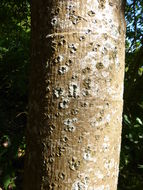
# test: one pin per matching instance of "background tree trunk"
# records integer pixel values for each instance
(76, 89)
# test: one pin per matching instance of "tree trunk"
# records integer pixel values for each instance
(76, 90)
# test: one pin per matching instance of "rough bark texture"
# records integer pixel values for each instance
(76, 92)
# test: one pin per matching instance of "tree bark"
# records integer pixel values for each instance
(76, 92)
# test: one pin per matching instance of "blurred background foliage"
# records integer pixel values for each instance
(14, 63)
(14, 69)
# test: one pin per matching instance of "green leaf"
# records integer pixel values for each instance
(7, 181)
(140, 71)
(126, 119)
(137, 125)
(139, 120)
(140, 166)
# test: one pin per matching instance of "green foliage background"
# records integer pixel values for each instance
(14, 63)
(14, 69)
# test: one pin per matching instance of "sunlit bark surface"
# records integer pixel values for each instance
(76, 92)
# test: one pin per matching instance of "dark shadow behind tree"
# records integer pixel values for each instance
(14, 63)
(131, 164)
